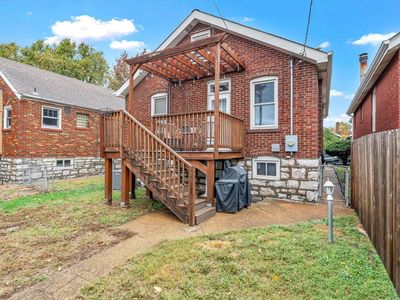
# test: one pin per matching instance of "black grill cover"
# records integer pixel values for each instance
(233, 191)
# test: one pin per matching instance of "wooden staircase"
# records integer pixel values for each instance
(169, 177)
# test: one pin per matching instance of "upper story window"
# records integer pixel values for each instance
(159, 104)
(264, 102)
(51, 117)
(7, 117)
(224, 95)
(200, 35)
(82, 120)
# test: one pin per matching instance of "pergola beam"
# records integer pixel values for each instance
(170, 52)
(232, 53)
(201, 63)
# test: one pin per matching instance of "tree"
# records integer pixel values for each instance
(120, 72)
(67, 58)
(340, 148)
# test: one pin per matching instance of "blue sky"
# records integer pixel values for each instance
(115, 24)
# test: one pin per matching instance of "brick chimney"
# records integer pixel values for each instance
(363, 57)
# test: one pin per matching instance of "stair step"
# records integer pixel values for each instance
(204, 214)
(200, 203)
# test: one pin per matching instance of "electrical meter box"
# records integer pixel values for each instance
(291, 143)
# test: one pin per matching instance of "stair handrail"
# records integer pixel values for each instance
(191, 168)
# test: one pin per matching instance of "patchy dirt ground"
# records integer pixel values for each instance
(43, 234)
(12, 191)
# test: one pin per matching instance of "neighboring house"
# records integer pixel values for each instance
(376, 104)
(273, 97)
(49, 120)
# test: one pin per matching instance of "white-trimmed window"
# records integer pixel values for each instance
(82, 120)
(264, 102)
(63, 163)
(224, 95)
(7, 117)
(200, 35)
(374, 110)
(267, 168)
(51, 117)
(159, 104)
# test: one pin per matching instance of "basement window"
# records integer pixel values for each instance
(200, 35)
(63, 163)
(51, 117)
(7, 117)
(82, 120)
(266, 168)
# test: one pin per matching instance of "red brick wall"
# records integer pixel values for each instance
(387, 102)
(260, 61)
(27, 138)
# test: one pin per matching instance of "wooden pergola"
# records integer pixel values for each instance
(207, 57)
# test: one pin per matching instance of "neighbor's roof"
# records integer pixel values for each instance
(24, 79)
(382, 58)
(322, 59)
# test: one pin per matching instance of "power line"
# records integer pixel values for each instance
(308, 28)
(219, 12)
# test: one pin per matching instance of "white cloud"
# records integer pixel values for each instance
(127, 45)
(324, 45)
(373, 38)
(336, 93)
(330, 121)
(85, 28)
(247, 19)
(349, 97)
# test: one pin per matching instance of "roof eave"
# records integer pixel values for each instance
(382, 58)
(10, 85)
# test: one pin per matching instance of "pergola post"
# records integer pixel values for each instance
(132, 71)
(217, 67)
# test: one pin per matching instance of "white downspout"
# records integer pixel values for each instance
(291, 96)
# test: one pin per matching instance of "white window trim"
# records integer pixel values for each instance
(267, 159)
(5, 110)
(227, 94)
(158, 95)
(252, 111)
(59, 119)
(71, 166)
(207, 34)
(374, 110)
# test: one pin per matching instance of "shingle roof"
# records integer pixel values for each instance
(53, 87)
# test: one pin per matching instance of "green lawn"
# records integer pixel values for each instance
(276, 262)
(44, 233)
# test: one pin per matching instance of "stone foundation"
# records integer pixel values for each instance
(300, 180)
(19, 170)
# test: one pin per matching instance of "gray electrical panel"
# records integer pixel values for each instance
(275, 148)
(291, 143)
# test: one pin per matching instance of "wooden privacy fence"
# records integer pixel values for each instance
(375, 194)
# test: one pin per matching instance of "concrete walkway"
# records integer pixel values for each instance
(338, 197)
(155, 228)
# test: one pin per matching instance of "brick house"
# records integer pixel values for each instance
(376, 104)
(272, 102)
(49, 120)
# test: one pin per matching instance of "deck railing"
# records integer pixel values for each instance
(174, 174)
(195, 131)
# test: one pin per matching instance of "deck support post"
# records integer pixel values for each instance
(108, 180)
(132, 185)
(149, 193)
(124, 185)
(211, 182)
(217, 67)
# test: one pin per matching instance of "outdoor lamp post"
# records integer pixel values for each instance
(329, 187)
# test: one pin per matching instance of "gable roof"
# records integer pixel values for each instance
(322, 59)
(24, 80)
(382, 58)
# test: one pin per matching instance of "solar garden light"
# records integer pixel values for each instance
(329, 188)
